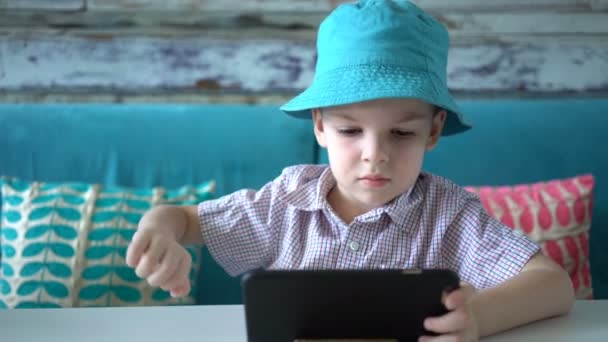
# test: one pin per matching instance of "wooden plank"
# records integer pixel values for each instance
(161, 23)
(327, 5)
(599, 5)
(314, 6)
(480, 24)
(275, 25)
(144, 63)
(55, 96)
(532, 67)
(138, 64)
(192, 97)
(44, 5)
(503, 5)
(215, 5)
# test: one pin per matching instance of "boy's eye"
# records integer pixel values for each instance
(401, 133)
(349, 131)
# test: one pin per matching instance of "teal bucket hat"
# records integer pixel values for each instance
(376, 49)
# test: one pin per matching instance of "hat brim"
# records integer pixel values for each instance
(368, 82)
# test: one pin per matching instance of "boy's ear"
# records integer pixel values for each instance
(436, 128)
(317, 119)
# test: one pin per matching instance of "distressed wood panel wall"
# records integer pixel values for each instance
(292, 5)
(257, 51)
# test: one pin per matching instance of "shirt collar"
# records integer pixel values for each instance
(313, 196)
(403, 206)
(400, 208)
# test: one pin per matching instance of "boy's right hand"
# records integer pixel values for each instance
(159, 258)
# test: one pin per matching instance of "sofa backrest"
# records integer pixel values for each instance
(155, 145)
(145, 145)
(513, 141)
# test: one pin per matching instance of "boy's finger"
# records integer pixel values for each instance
(183, 287)
(454, 299)
(149, 261)
(440, 338)
(451, 322)
(458, 298)
(181, 290)
(181, 273)
(166, 269)
(139, 243)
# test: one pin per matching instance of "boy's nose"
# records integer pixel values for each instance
(374, 151)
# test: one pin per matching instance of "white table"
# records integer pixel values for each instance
(588, 321)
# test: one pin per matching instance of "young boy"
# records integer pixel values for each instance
(379, 101)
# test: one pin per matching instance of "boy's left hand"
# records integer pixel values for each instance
(457, 325)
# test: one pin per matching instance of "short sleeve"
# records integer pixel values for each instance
(481, 249)
(238, 228)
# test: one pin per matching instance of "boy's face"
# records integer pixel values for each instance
(376, 148)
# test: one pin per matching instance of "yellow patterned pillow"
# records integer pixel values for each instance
(64, 244)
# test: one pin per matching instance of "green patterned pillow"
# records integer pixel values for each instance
(64, 244)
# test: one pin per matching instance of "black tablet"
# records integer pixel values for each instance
(284, 306)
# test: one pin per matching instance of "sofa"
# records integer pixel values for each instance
(223, 148)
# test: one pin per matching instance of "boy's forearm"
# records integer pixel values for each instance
(529, 296)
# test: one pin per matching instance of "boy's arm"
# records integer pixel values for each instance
(542, 289)
(181, 220)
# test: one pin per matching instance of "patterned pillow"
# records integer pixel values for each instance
(64, 244)
(556, 214)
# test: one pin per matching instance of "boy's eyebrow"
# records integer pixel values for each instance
(343, 116)
(411, 116)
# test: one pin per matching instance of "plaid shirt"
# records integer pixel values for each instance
(288, 224)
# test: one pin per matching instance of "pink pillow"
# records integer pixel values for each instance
(556, 214)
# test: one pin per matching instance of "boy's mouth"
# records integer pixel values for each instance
(374, 180)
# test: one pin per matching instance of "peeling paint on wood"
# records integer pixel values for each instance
(216, 5)
(504, 5)
(327, 5)
(135, 64)
(506, 26)
(296, 5)
(109, 96)
(525, 23)
(55, 5)
(145, 63)
(538, 68)
(149, 97)
(599, 5)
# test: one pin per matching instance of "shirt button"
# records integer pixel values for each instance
(354, 246)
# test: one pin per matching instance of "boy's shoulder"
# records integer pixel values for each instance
(298, 185)
(305, 170)
(293, 177)
(445, 188)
